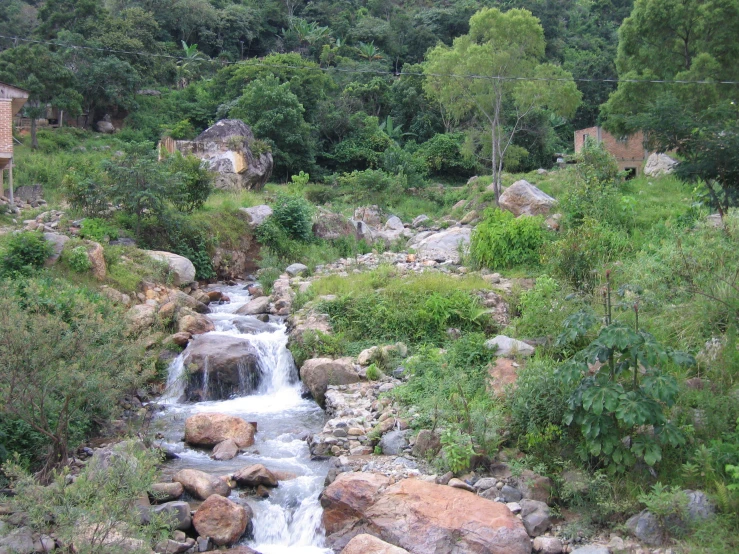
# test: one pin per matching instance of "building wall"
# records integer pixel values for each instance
(6, 126)
(629, 153)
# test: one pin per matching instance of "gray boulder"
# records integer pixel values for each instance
(296, 269)
(421, 221)
(510, 494)
(535, 517)
(181, 268)
(220, 366)
(508, 347)
(257, 306)
(319, 373)
(394, 442)
(700, 506)
(178, 512)
(523, 198)
(18, 541)
(659, 164)
(57, 241)
(256, 215)
(646, 527)
(233, 153)
(442, 246)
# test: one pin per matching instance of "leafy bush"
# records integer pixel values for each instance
(65, 360)
(626, 393)
(24, 253)
(97, 229)
(98, 511)
(504, 241)
(85, 188)
(294, 214)
(373, 372)
(457, 450)
(579, 255)
(367, 180)
(195, 181)
(78, 260)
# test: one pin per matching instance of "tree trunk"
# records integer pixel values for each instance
(56, 459)
(34, 140)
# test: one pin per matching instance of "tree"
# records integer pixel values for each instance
(43, 74)
(494, 75)
(674, 40)
(275, 114)
(188, 66)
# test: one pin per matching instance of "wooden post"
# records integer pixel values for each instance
(10, 184)
(2, 192)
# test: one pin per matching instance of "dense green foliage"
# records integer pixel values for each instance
(23, 254)
(502, 241)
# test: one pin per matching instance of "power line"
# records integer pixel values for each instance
(254, 62)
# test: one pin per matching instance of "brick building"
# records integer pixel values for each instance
(12, 100)
(629, 151)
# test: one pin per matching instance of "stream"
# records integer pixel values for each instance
(289, 521)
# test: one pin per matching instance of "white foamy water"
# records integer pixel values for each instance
(289, 521)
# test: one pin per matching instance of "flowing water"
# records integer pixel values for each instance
(289, 521)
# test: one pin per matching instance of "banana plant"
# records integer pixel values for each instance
(369, 52)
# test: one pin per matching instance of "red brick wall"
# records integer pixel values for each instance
(6, 126)
(629, 153)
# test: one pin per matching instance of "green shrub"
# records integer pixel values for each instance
(182, 130)
(581, 253)
(375, 180)
(85, 188)
(78, 260)
(103, 499)
(195, 181)
(294, 214)
(543, 309)
(98, 229)
(504, 241)
(24, 253)
(457, 450)
(443, 156)
(373, 373)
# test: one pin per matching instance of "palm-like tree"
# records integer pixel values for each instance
(188, 64)
(369, 51)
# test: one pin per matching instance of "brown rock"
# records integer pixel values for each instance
(367, 544)
(421, 517)
(427, 443)
(195, 324)
(225, 450)
(167, 311)
(96, 255)
(214, 295)
(262, 491)
(319, 373)
(201, 485)
(256, 306)
(255, 475)
(503, 373)
(209, 429)
(166, 492)
(283, 475)
(141, 317)
(346, 499)
(181, 339)
(533, 486)
(221, 520)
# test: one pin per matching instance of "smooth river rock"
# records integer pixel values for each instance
(367, 544)
(201, 485)
(319, 373)
(222, 520)
(419, 516)
(210, 429)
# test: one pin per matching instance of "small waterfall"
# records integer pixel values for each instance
(175, 388)
(206, 373)
(290, 520)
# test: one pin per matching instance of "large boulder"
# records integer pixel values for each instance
(222, 520)
(442, 246)
(211, 429)
(165, 492)
(523, 198)
(367, 544)
(220, 366)
(57, 241)
(419, 516)
(256, 215)
(141, 317)
(176, 512)
(659, 164)
(254, 307)
(199, 484)
(331, 226)
(319, 373)
(239, 161)
(96, 255)
(254, 476)
(371, 215)
(226, 450)
(507, 347)
(191, 323)
(182, 269)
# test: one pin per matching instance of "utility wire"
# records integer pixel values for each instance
(253, 62)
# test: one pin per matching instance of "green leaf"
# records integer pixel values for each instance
(619, 337)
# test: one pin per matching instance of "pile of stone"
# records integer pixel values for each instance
(48, 222)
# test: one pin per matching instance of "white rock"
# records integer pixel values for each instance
(659, 164)
(182, 269)
(508, 347)
(257, 214)
(296, 269)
